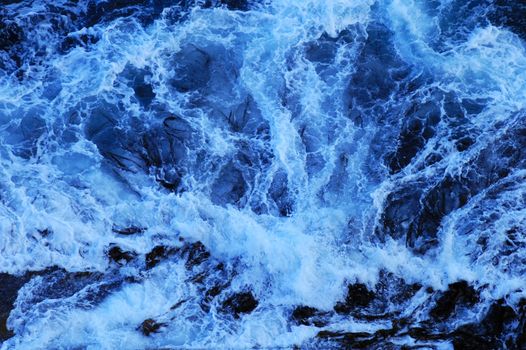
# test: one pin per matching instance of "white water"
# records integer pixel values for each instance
(67, 186)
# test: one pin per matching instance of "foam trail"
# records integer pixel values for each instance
(242, 174)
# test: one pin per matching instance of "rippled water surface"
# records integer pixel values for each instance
(191, 174)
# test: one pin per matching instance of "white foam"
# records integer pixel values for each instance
(304, 259)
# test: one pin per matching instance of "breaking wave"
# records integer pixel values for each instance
(262, 174)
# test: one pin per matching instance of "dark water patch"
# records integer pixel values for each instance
(191, 69)
(140, 81)
(25, 133)
(230, 186)
(279, 192)
(10, 32)
(509, 14)
(379, 71)
(100, 12)
(72, 41)
(456, 20)
(234, 5)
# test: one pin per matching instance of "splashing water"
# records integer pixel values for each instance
(262, 174)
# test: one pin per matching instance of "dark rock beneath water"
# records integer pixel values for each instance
(240, 303)
(119, 256)
(458, 293)
(309, 316)
(502, 327)
(416, 213)
(197, 254)
(9, 286)
(127, 231)
(155, 256)
(325, 48)
(351, 340)
(392, 290)
(418, 127)
(521, 324)
(415, 210)
(499, 315)
(358, 296)
(236, 4)
(150, 326)
(210, 295)
(464, 338)
(425, 334)
(448, 195)
(214, 291)
(498, 329)
(25, 135)
(401, 210)
(464, 143)
(56, 284)
(163, 151)
(5, 333)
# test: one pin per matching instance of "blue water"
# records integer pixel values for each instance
(191, 174)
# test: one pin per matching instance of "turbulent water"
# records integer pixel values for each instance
(184, 174)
